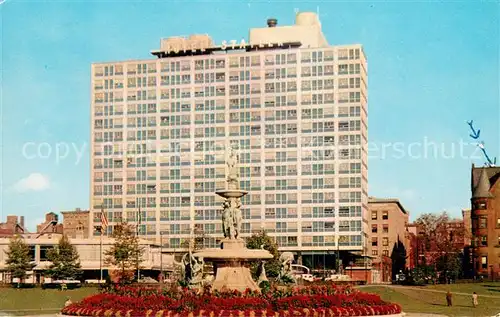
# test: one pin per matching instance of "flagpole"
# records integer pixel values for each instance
(138, 241)
(100, 244)
(100, 256)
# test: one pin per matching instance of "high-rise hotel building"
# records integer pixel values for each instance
(294, 108)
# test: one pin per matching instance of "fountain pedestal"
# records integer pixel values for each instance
(231, 263)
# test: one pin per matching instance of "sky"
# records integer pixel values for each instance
(432, 65)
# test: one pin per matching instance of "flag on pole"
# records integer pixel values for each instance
(104, 219)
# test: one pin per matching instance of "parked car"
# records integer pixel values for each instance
(95, 281)
(148, 280)
(338, 278)
(305, 277)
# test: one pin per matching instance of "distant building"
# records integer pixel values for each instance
(468, 265)
(388, 234)
(466, 216)
(13, 225)
(413, 254)
(50, 225)
(485, 218)
(88, 250)
(76, 223)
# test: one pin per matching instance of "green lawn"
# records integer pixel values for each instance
(38, 301)
(492, 289)
(421, 301)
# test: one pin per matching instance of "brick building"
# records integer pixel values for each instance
(50, 225)
(13, 225)
(76, 223)
(485, 217)
(388, 233)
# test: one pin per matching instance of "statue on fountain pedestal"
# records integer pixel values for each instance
(228, 220)
(286, 260)
(237, 217)
(231, 218)
(232, 177)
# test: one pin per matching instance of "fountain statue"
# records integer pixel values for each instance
(286, 260)
(262, 273)
(231, 260)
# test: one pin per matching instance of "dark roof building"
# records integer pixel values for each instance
(485, 218)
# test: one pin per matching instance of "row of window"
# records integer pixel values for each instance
(320, 97)
(252, 199)
(237, 117)
(385, 252)
(215, 214)
(219, 104)
(208, 159)
(211, 62)
(385, 241)
(211, 186)
(220, 77)
(482, 223)
(219, 172)
(384, 215)
(385, 228)
(482, 241)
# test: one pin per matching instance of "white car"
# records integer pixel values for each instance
(305, 277)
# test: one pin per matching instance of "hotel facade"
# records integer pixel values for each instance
(293, 107)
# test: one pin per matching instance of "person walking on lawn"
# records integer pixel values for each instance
(474, 300)
(448, 298)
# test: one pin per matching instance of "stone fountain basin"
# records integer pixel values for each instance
(231, 193)
(239, 255)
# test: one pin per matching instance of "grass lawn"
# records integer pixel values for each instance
(486, 288)
(421, 301)
(38, 301)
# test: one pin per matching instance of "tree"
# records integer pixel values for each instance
(125, 254)
(18, 261)
(398, 257)
(450, 266)
(421, 275)
(262, 241)
(65, 261)
(442, 242)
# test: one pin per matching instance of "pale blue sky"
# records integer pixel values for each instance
(432, 66)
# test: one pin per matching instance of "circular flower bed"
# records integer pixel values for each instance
(314, 301)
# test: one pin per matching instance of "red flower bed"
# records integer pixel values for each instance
(315, 301)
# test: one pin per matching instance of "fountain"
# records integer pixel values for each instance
(232, 274)
(231, 260)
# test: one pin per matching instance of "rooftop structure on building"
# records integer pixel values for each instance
(76, 223)
(51, 224)
(13, 225)
(292, 105)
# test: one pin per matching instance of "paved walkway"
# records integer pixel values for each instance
(423, 315)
